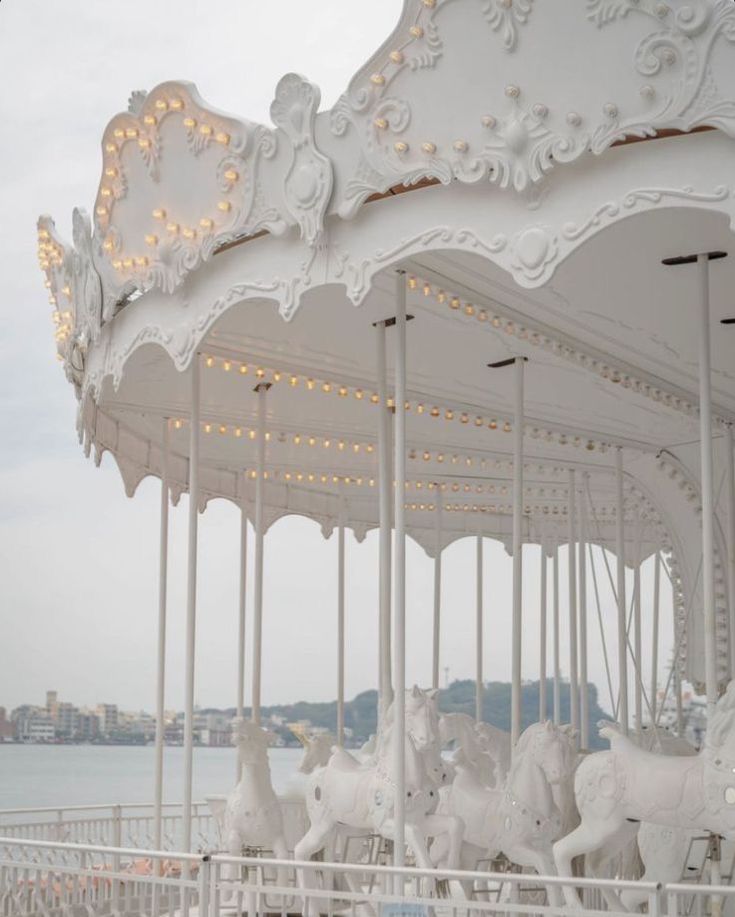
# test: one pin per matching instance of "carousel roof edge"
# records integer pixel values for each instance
(459, 92)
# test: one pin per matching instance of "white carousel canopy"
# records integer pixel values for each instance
(530, 226)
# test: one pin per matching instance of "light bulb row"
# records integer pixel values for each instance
(513, 328)
(503, 509)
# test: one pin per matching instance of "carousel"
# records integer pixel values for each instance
(486, 295)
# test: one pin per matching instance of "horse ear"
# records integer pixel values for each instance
(416, 691)
(549, 726)
(432, 693)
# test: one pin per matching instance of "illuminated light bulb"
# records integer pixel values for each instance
(259, 372)
(108, 245)
(400, 146)
(469, 309)
(173, 228)
(293, 381)
(495, 321)
(119, 133)
(222, 137)
(227, 366)
(420, 408)
(151, 239)
(311, 478)
(176, 104)
(391, 402)
(356, 447)
(479, 422)
(243, 369)
(310, 384)
(434, 411)
(178, 424)
(144, 143)
(427, 289)
(205, 130)
(105, 192)
(190, 123)
(416, 31)
(128, 262)
(159, 214)
(131, 133)
(449, 414)
(506, 427)
(429, 3)
(327, 443)
(161, 104)
(117, 264)
(110, 147)
(381, 124)
(440, 457)
(231, 175)
(461, 146)
(463, 418)
(150, 120)
(312, 440)
(341, 445)
(454, 303)
(207, 427)
(224, 206)
(342, 391)
(277, 375)
(493, 424)
(297, 439)
(323, 479)
(335, 479)
(429, 148)
(374, 398)
(441, 297)
(359, 394)
(222, 429)
(482, 315)
(396, 57)
(110, 173)
(206, 223)
(189, 233)
(377, 79)
(371, 482)
(209, 362)
(287, 475)
(238, 432)
(141, 261)
(426, 456)
(406, 405)
(251, 434)
(326, 387)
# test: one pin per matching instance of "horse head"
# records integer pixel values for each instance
(552, 749)
(317, 751)
(251, 741)
(422, 717)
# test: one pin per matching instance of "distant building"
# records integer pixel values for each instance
(7, 730)
(109, 718)
(33, 725)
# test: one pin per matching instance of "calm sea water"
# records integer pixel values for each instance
(65, 775)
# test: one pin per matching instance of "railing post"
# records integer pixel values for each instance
(116, 842)
(59, 825)
(655, 901)
(205, 867)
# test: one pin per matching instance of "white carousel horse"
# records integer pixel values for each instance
(522, 819)
(481, 751)
(617, 789)
(362, 796)
(252, 816)
(317, 751)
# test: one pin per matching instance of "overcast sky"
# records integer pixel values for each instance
(78, 559)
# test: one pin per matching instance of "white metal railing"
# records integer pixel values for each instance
(48, 879)
(131, 825)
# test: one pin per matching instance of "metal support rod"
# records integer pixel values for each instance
(243, 600)
(191, 600)
(436, 641)
(555, 627)
(637, 632)
(584, 701)
(385, 478)
(341, 625)
(730, 474)
(161, 650)
(262, 392)
(542, 705)
(517, 639)
(654, 635)
(622, 628)
(478, 632)
(572, 571)
(399, 705)
(708, 511)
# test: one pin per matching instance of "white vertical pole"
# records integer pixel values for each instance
(341, 624)
(385, 478)
(262, 392)
(242, 603)
(637, 633)
(654, 637)
(572, 572)
(191, 600)
(399, 706)
(542, 711)
(478, 632)
(517, 641)
(437, 590)
(584, 705)
(161, 655)
(555, 627)
(730, 472)
(708, 511)
(622, 611)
